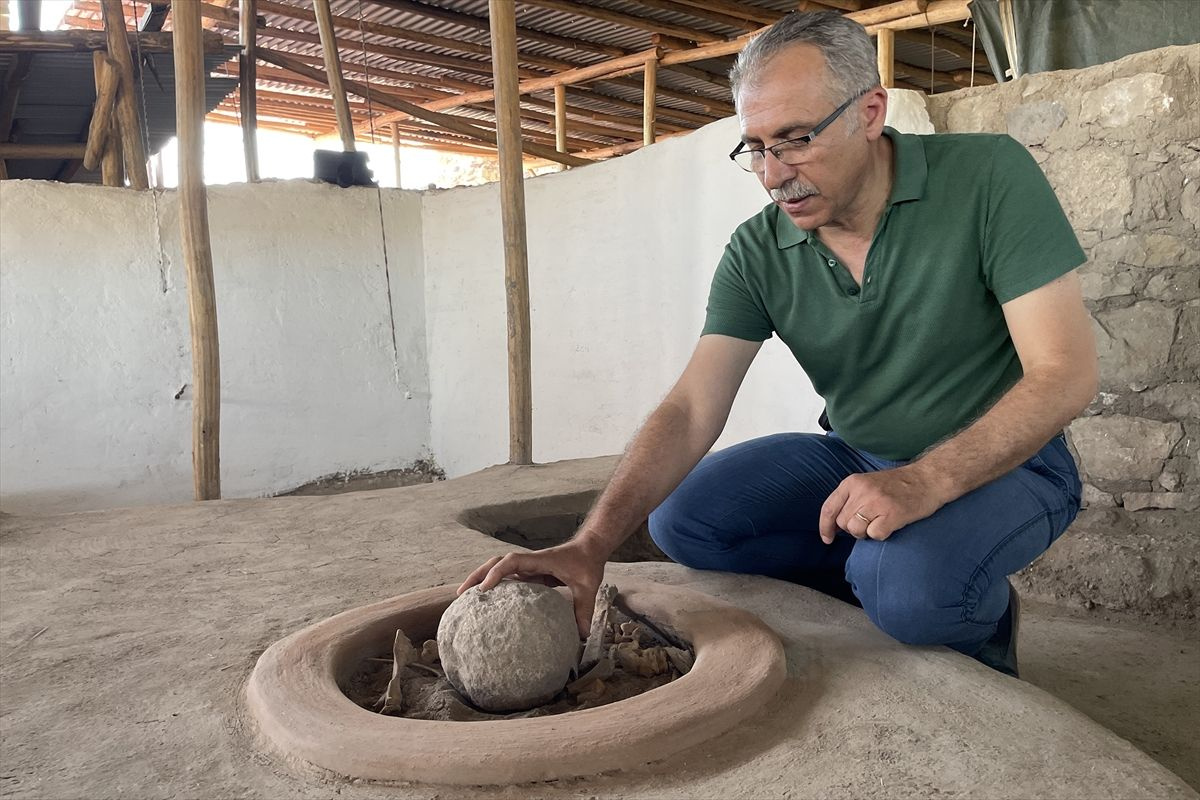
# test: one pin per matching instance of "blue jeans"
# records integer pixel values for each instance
(753, 508)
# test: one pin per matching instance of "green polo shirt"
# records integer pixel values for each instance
(921, 349)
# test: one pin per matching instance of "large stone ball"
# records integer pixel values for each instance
(509, 648)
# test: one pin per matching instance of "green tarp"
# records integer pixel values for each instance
(1069, 34)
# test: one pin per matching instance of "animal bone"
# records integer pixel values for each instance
(403, 653)
(595, 642)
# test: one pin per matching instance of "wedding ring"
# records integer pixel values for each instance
(860, 516)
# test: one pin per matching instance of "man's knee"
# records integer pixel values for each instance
(679, 527)
(910, 607)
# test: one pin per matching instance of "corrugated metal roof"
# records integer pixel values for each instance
(56, 99)
(433, 47)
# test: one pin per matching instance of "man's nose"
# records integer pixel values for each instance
(775, 173)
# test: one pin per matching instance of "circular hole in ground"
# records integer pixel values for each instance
(638, 655)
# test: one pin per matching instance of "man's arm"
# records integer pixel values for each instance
(673, 439)
(1053, 338)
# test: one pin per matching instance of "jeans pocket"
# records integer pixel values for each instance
(1058, 468)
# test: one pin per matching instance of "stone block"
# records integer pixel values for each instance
(1124, 448)
(1031, 123)
(907, 111)
(1176, 399)
(1189, 203)
(1146, 250)
(1176, 501)
(1094, 498)
(1185, 355)
(1150, 198)
(1134, 343)
(1174, 286)
(1101, 281)
(1094, 185)
(976, 113)
(1123, 101)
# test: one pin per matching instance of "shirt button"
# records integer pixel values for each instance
(853, 290)
(832, 263)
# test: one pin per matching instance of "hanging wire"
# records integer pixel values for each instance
(387, 272)
(932, 53)
(144, 131)
(973, 33)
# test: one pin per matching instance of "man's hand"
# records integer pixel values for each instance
(572, 564)
(874, 505)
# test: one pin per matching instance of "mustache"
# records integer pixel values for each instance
(795, 189)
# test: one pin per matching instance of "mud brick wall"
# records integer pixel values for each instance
(1120, 143)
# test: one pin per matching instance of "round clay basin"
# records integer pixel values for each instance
(295, 697)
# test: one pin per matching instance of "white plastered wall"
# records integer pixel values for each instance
(94, 341)
(325, 370)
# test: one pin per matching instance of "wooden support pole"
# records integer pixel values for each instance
(333, 71)
(248, 83)
(512, 203)
(111, 172)
(885, 49)
(649, 94)
(396, 150)
(108, 78)
(560, 118)
(127, 113)
(197, 252)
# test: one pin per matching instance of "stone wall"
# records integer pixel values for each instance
(1120, 143)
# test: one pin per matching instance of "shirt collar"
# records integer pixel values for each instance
(909, 184)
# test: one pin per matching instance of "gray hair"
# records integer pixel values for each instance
(849, 54)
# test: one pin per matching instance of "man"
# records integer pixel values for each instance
(926, 285)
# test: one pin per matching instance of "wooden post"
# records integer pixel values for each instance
(127, 113)
(560, 118)
(108, 78)
(649, 103)
(197, 252)
(111, 172)
(248, 82)
(333, 69)
(512, 204)
(886, 51)
(396, 150)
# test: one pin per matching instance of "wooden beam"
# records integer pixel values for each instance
(560, 118)
(701, 12)
(111, 170)
(333, 73)
(412, 110)
(649, 91)
(889, 12)
(81, 41)
(937, 12)
(957, 77)
(707, 51)
(127, 113)
(621, 149)
(197, 252)
(30, 12)
(628, 20)
(885, 50)
(102, 111)
(735, 8)
(512, 207)
(248, 85)
(949, 45)
(594, 72)
(481, 24)
(47, 152)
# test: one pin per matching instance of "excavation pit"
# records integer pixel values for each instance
(297, 695)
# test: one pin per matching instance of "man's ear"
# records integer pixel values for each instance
(873, 111)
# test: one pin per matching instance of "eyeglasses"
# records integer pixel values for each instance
(791, 151)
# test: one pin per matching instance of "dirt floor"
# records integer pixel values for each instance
(126, 638)
(1138, 678)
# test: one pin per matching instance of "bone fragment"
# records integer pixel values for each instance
(682, 660)
(602, 670)
(403, 654)
(595, 642)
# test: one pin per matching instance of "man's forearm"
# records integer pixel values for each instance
(1035, 409)
(662, 453)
